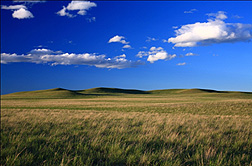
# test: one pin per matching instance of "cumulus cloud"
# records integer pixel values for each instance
(155, 53)
(211, 32)
(22, 14)
(119, 39)
(181, 64)
(63, 12)
(191, 11)
(20, 11)
(80, 6)
(59, 58)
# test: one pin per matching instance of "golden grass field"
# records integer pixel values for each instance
(127, 129)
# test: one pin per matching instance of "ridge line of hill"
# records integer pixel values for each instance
(61, 92)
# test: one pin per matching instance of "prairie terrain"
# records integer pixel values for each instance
(104, 126)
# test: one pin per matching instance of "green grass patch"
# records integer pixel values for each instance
(128, 129)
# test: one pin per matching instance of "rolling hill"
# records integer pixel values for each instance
(60, 93)
(185, 91)
(56, 93)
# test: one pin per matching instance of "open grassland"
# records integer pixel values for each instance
(154, 128)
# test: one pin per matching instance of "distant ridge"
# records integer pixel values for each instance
(56, 93)
(182, 91)
(60, 93)
(113, 90)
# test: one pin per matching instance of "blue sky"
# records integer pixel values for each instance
(134, 45)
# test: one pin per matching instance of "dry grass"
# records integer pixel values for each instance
(127, 130)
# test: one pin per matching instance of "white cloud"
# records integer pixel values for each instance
(119, 39)
(80, 6)
(156, 48)
(191, 54)
(82, 12)
(211, 32)
(121, 56)
(6, 58)
(20, 11)
(13, 7)
(155, 53)
(27, 2)
(141, 54)
(92, 19)
(59, 58)
(221, 15)
(160, 55)
(236, 16)
(149, 39)
(63, 12)
(41, 51)
(191, 11)
(181, 64)
(126, 46)
(22, 14)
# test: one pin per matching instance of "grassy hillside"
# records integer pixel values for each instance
(193, 91)
(59, 93)
(165, 127)
(44, 94)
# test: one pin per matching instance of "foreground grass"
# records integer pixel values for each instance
(127, 130)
